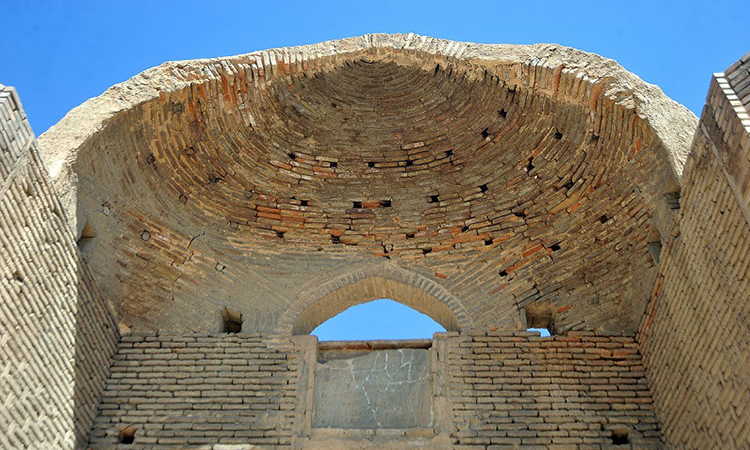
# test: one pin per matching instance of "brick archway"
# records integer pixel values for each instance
(360, 286)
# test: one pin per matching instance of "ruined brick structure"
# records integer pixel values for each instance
(168, 246)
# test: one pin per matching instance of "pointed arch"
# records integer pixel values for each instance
(363, 285)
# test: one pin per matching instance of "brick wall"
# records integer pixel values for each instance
(696, 332)
(56, 333)
(199, 389)
(562, 392)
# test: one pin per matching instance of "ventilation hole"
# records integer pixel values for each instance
(503, 273)
(333, 104)
(409, 163)
(304, 202)
(126, 435)
(426, 250)
(385, 203)
(620, 436)
(603, 219)
(335, 239)
(410, 235)
(558, 135)
(356, 205)
(449, 153)
(520, 214)
(150, 159)
(503, 113)
(485, 133)
(145, 235)
(530, 165)
(292, 156)
(465, 229)
(594, 137)
(483, 188)
(540, 317)
(569, 185)
(488, 241)
(333, 164)
(280, 234)
(554, 247)
(370, 164)
(433, 199)
(231, 321)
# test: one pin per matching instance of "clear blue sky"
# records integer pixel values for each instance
(60, 53)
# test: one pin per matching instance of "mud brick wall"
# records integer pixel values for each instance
(522, 391)
(198, 390)
(696, 332)
(56, 332)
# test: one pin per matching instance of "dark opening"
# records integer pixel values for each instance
(426, 250)
(335, 239)
(558, 135)
(465, 229)
(603, 218)
(150, 159)
(231, 321)
(530, 165)
(333, 164)
(672, 199)
(333, 104)
(433, 199)
(503, 113)
(410, 235)
(449, 153)
(485, 133)
(488, 241)
(409, 163)
(370, 164)
(569, 185)
(483, 188)
(503, 273)
(385, 203)
(520, 214)
(292, 156)
(280, 234)
(357, 205)
(620, 436)
(304, 202)
(437, 69)
(126, 435)
(554, 247)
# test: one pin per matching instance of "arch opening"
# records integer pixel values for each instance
(364, 291)
(375, 320)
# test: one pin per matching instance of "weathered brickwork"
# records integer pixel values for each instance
(56, 332)
(511, 176)
(696, 332)
(193, 390)
(562, 392)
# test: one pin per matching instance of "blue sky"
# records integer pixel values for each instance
(60, 53)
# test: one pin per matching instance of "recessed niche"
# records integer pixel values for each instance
(86, 241)
(540, 317)
(654, 244)
(410, 235)
(620, 436)
(603, 218)
(485, 133)
(503, 113)
(483, 188)
(356, 205)
(503, 273)
(292, 156)
(672, 194)
(385, 203)
(304, 202)
(231, 321)
(409, 163)
(333, 164)
(126, 435)
(280, 234)
(554, 247)
(433, 199)
(558, 135)
(370, 164)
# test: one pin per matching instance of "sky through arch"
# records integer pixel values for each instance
(377, 319)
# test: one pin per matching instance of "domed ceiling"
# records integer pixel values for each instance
(522, 181)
